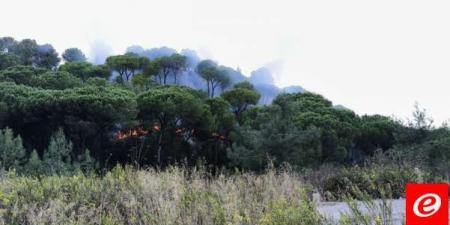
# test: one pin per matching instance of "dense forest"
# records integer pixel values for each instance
(156, 136)
(159, 107)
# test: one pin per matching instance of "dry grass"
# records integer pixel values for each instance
(175, 196)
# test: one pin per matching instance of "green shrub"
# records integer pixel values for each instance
(12, 153)
(369, 180)
(57, 157)
(173, 197)
(283, 212)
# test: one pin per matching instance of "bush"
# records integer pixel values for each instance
(12, 153)
(371, 179)
(172, 197)
(56, 81)
(57, 157)
(283, 212)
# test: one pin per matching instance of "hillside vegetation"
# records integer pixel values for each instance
(64, 124)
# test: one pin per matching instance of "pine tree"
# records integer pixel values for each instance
(12, 152)
(85, 162)
(34, 165)
(57, 158)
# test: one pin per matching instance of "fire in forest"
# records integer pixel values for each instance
(134, 132)
(218, 136)
(138, 132)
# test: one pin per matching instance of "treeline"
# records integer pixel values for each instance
(84, 116)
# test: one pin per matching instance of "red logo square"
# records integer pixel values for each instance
(427, 204)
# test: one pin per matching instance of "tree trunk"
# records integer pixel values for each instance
(166, 73)
(207, 85)
(159, 148)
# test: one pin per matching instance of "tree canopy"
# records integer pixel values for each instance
(130, 111)
(173, 111)
(29, 53)
(85, 70)
(213, 75)
(241, 97)
(126, 65)
(73, 55)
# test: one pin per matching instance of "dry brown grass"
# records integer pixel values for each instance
(176, 196)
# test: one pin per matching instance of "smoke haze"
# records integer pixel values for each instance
(371, 56)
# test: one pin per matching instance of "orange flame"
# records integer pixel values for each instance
(218, 136)
(134, 132)
(156, 127)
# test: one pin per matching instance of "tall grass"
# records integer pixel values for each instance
(176, 196)
(368, 211)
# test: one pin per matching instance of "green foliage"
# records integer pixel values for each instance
(152, 69)
(240, 99)
(213, 75)
(171, 197)
(303, 101)
(85, 70)
(338, 127)
(246, 152)
(7, 44)
(101, 71)
(142, 82)
(21, 74)
(179, 115)
(28, 52)
(432, 153)
(73, 55)
(12, 152)
(192, 200)
(97, 81)
(223, 119)
(8, 60)
(3, 113)
(172, 105)
(34, 166)
(235, 75)
(47, 57)
(222, 124)
(88, 114)
(245, 85)
(57, 158)
(372, 180)
(376, 132)
(126, 65)
(284, 212)
(31, 76)
(308, 129)
(438, 152)
(85, 162)
(163, 66)
(134, 117)
(178, 63)
(56, 81)
(300, 147)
